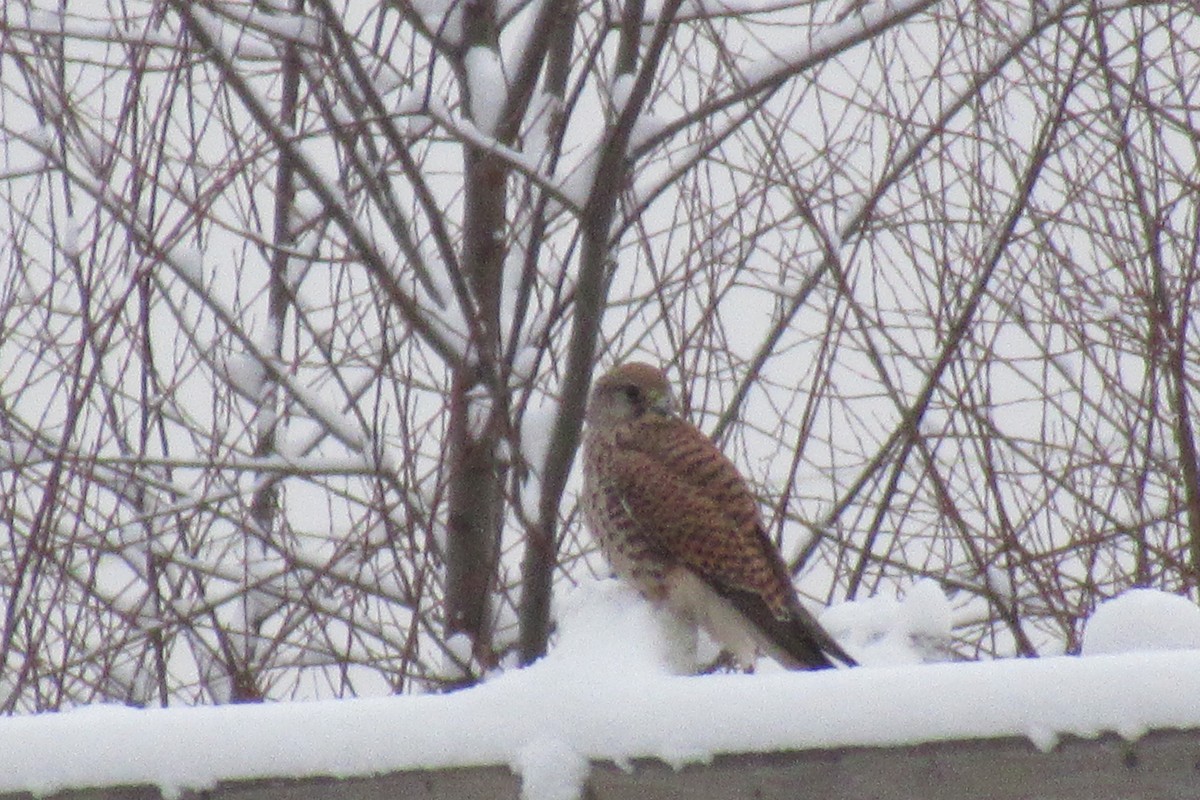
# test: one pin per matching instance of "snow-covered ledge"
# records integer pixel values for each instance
(602, 714)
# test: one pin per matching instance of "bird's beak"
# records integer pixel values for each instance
(662, 403)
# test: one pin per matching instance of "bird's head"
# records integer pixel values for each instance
(627, 392)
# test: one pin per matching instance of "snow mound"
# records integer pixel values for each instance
(1140, 620)
(608, 627)
(910, 629)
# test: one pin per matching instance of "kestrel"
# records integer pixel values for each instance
(676, 520)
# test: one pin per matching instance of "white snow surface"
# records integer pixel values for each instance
(1141, 620)
(246, 373)
(605, 692)
(550, 769)
(488, 92)
(886, 631)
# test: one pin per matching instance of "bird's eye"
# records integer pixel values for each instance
(633, 395)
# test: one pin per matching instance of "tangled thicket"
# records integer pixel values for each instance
(301, 299)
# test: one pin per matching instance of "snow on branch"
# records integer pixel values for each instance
(294, 28)
(769, 73)
(186, 263)
(209, 32)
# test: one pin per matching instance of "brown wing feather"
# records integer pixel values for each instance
(692, 523)
(680, 488)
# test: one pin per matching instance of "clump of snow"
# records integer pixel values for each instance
(375, 533)
(189, 264)
(257, 604)
(926, 613)
(412, 123)
(607, 626)
(1110, 308)
(247, 374)
(525, 362)
(443, 17)
(536, 428)
(456, 658)
(543, 107)
(1002, 581)
(14, 452)
(479, 410)
(645, 128)
(622, 88)
(485, 85)
(550, 769)
(575, 182)
(41, 138)
(1141, 620)
(911, 629)
(647, 125)
(73, 237)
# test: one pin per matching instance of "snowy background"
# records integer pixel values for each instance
(299, 304)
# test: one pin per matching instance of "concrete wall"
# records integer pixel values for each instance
(1162, 765)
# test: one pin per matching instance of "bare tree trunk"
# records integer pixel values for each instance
(595, 262)
(476, 511)
(541, 546)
